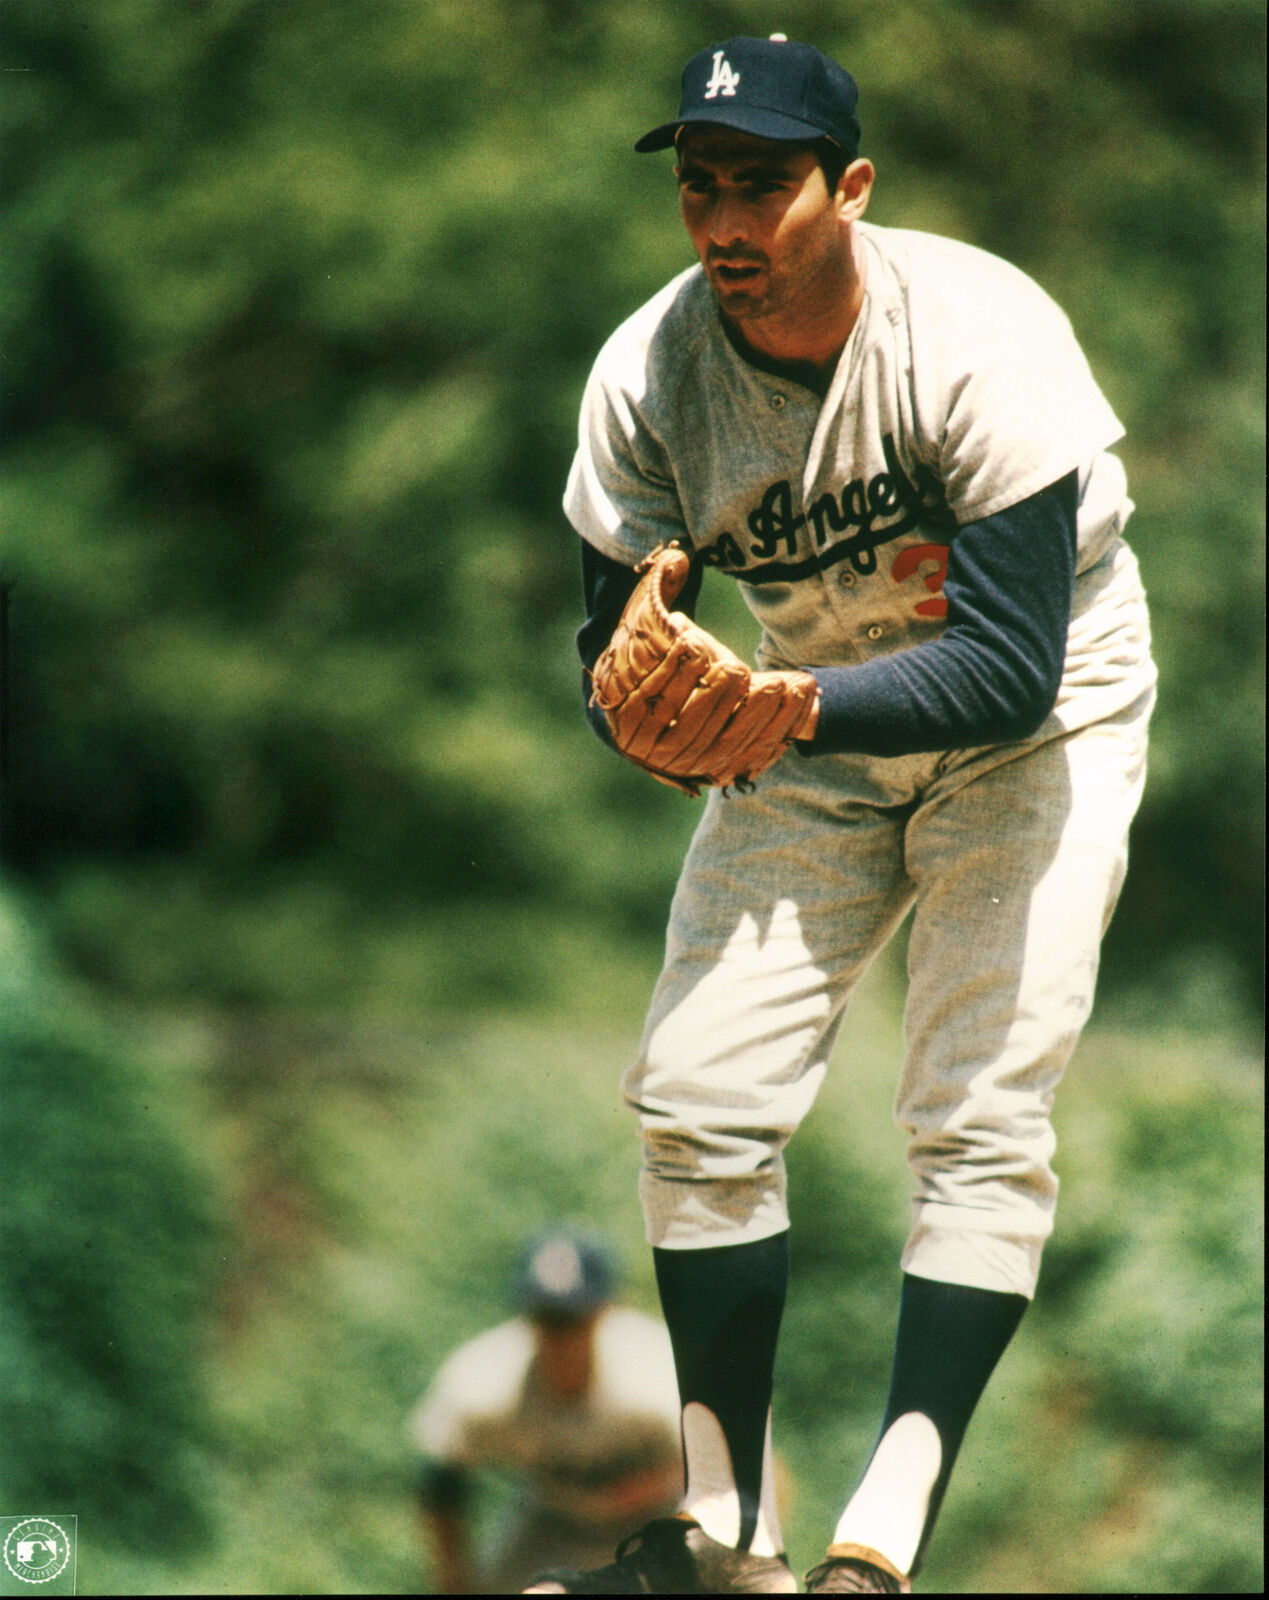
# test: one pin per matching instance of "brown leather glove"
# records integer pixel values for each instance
(684, 707)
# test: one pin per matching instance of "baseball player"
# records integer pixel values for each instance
(893, 444)
(574, 1399)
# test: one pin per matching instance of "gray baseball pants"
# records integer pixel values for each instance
(1011, 858)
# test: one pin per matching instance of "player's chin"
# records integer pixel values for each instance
(740, 302)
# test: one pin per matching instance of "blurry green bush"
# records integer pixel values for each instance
(383, 1179)
(234, 1251)
(106, 1249)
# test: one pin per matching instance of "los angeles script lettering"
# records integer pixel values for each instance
(858, 512)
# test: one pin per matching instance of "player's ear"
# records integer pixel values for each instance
(853, 188)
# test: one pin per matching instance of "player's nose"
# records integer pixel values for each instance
(729, 222)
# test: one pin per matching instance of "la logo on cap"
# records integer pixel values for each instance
(723, 80)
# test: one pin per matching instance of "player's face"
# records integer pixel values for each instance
(765, 226)
(565, 1354)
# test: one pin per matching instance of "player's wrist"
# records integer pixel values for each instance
(811, 721)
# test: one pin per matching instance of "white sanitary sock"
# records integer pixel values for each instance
(889, 1508)
(712, 1497)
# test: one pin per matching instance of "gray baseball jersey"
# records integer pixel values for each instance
(484, 1409)
(960, 392)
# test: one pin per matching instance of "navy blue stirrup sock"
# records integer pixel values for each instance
(723, 1310)
(947, 1345)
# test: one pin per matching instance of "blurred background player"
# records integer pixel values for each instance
(575, 1400)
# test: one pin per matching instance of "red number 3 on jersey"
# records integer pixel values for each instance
(906, 564)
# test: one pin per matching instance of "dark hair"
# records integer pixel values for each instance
(833, 161)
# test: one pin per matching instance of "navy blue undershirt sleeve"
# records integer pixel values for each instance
(992, 676)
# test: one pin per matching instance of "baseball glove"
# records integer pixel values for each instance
(680, 704)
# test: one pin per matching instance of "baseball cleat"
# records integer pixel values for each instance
(673, 1555)
(856, 1569)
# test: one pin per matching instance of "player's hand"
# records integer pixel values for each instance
(684, 707)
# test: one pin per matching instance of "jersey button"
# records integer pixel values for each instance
(778, 402)
(876, 631)
(847, 579)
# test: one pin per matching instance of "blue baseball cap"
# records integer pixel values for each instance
(562, 1275)
(768, 87)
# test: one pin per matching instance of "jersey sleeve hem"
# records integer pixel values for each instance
(627, 551)
(1020, 489)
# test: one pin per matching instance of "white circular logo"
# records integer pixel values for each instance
(36, 1550)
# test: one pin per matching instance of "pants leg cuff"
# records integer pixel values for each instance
(685, 1215)
(977, 1260)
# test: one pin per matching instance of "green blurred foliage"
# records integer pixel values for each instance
(299, 299)
(106, 1249)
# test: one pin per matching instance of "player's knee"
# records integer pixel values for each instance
(679, 1151)
(998, 1169)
